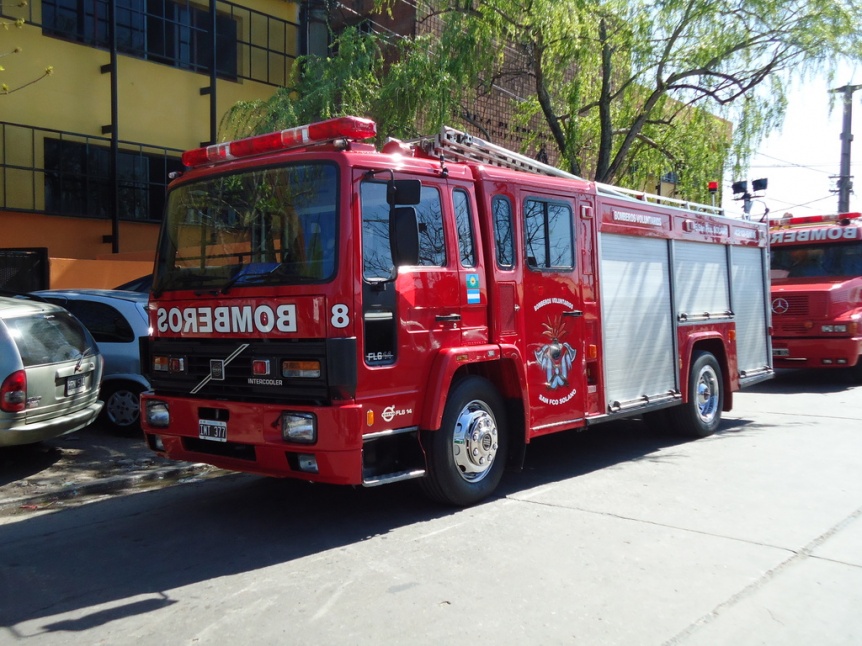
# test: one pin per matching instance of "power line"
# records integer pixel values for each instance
(790, 164)
(814, 167)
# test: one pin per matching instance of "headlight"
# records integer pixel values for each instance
(158, 413)
(299, 427)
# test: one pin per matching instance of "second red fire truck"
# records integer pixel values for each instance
(328, 311)
(817, 292)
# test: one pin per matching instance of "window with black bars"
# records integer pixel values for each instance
(78, 181)
(250, 44)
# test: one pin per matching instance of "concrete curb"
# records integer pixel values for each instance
(102, 486)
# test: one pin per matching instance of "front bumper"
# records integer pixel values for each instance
(254, 443)
(816, 352)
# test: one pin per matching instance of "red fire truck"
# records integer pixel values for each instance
(816, 270)
(326, 311)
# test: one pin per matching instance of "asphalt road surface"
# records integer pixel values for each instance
(611, 536)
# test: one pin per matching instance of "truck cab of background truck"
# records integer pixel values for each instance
(816, 294)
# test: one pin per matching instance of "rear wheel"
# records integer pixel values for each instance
(701, 414)
(466, 457)
(122, 409)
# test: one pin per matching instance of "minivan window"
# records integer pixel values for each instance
(48, 338)
(104, 322)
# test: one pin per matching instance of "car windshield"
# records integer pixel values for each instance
(263, 226)
(837, 260)
(49, 338)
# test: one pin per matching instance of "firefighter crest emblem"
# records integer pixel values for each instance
(556, 357)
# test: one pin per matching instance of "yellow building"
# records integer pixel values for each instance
(86, 150)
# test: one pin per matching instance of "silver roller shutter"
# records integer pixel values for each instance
(748, 304)
(637, 328)
(700, 275)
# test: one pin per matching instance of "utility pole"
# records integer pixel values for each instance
(845, 180)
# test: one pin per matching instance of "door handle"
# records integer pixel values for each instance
(573, 313)
(450, 318)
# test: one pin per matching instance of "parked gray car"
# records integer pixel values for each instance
(50, 370)
(117, 319)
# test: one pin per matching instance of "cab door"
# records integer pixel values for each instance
(553, 321)
(408, 313)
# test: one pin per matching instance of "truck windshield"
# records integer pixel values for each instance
(836, 260)
(261, 226)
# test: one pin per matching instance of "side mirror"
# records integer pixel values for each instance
(404, 236)
(403, 192)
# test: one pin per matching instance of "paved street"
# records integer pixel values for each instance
(612, 536)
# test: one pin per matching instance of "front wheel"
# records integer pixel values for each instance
(467, 455)
(701, 414)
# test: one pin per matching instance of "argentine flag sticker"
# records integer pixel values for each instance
(473, 293)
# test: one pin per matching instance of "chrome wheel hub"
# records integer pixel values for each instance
(474, 441)
(707, 395)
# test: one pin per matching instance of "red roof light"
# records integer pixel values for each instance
(354, 128)
(813, 219)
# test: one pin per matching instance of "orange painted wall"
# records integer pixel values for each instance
(68, 237)
(79, 258)
(71, 273)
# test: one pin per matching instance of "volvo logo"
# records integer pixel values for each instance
(217, 367)
(780, 306)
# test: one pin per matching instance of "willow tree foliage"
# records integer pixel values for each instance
(624, 90)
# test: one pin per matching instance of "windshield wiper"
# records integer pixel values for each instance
(182, 280)
(87, 351)
(279, 272)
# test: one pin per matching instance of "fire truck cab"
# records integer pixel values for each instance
(816, 272)
(328, 311)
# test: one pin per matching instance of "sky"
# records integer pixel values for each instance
(802, 160)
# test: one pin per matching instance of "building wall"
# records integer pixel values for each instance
(67, 237)
(161, 112)
(159, 104)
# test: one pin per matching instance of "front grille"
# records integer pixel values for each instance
(222, 369)
(797, 305)
(791, 327)
(812, 305)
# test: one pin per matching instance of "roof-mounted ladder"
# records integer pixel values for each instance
(456, 145)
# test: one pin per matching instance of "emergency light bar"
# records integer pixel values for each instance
(314, 133)
(814, 219)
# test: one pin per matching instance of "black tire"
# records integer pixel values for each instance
(701, 414)
(856, 372)
(467, 456)
(122, 409)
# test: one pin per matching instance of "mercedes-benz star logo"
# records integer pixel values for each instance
(780, 306)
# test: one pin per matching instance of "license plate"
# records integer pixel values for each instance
(212, 430)
(76, 385)
(780, 352)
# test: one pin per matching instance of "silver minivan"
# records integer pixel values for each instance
(50, 371)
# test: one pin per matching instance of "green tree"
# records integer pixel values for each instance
(627, 89)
